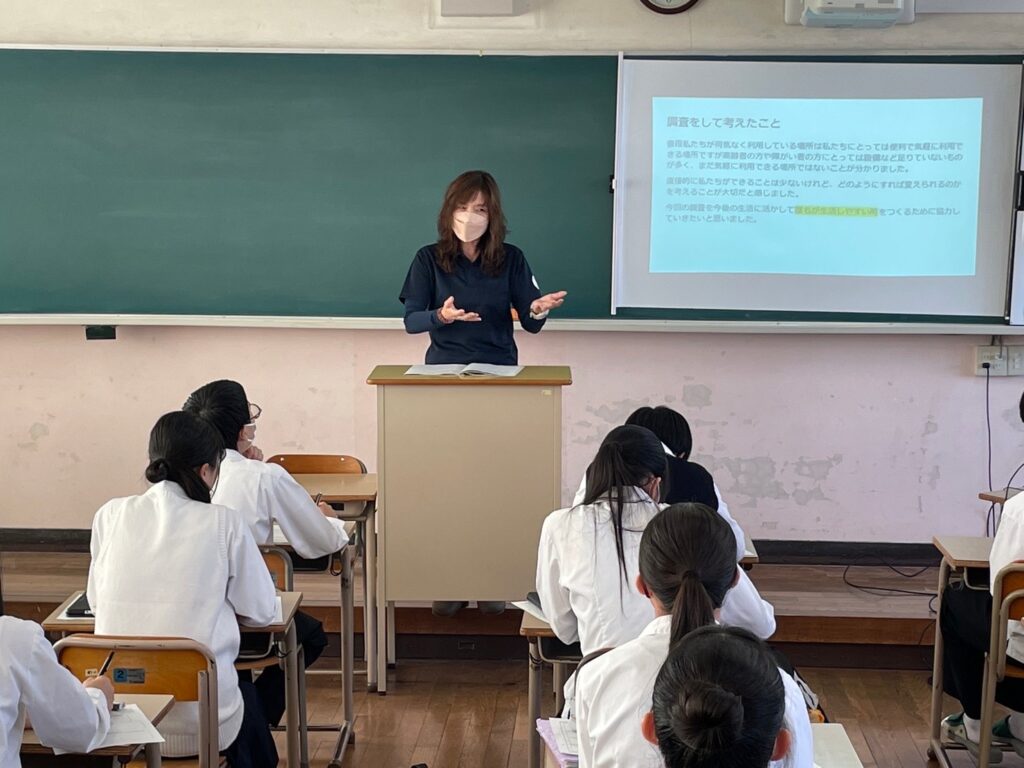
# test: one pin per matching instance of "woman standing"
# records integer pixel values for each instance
(461, 289)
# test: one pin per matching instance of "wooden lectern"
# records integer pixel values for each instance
(468, 468)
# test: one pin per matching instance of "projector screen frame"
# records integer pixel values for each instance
(1013, 300)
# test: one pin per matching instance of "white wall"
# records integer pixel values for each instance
(810, 437)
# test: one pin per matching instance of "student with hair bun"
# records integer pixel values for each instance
(587, 562)
(687, 569)
(719, 701)
(169, 563)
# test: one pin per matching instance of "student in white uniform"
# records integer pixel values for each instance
(687, 569)
(64, 712)
(718, 703)
(965, 622)
(685, 480)
(169, 563)
(587, 560)
(266, 494)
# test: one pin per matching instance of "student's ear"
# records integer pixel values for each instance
(782, 744)
(641, 586)
(208, 473)
(650, 733)
(735, 578)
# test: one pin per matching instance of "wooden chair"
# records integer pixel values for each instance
(258, 649)
(179, 667)
(319, 464)
(1007, 606)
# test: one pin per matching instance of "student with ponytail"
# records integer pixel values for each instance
(168, 563)
(587, 561)
(687, 572)
(719, 701)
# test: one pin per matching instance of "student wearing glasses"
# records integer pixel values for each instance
(266, 494)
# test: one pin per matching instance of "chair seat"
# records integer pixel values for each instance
(250, 664)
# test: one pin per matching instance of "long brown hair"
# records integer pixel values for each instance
(492, 242)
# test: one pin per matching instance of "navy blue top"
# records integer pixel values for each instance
(427, 287)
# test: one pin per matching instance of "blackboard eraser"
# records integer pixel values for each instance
(100, 332)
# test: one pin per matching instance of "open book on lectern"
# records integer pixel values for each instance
(473, 369)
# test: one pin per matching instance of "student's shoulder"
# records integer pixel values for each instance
(19, 635)
(1014, 508)
(426, 255)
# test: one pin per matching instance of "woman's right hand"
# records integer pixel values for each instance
(103, 684)
(449, 313)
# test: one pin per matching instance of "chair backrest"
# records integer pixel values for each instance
(279, 563)
(1008, 605)
(180, 667)
(319, 464)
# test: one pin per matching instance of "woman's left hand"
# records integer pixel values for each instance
(548, 302)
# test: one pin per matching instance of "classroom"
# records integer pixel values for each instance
(197, 194)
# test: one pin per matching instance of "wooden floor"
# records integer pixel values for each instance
(473, 715)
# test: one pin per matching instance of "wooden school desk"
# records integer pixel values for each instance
(359, 489)
(296, 737)
(999, 496)
(534, 630)
(958, 554)
(153, 706)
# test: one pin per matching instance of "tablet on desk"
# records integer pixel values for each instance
(80, 608)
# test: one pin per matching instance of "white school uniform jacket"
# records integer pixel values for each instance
(581, 586)
(164, 565)
(723, 510)
(1008, 547)
(266, 494)
(64, 713)
(614, 692)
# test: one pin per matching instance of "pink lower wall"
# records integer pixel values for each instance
(857, 438)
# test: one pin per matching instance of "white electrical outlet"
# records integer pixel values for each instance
(1014, 360)
(994, 356)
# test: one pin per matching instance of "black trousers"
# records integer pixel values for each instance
(966, 624)
(270, 684)
(254, 746)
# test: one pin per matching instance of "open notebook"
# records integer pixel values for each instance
(473, 369)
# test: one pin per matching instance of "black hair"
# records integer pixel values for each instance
(718, 701)
(179, 444)
(688, 561)
(222, 404)
(1022, 407)
(669, 425)
(629, 457)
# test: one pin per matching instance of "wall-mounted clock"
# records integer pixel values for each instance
(669, 6)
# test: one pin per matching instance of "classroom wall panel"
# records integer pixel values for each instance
(853, 438)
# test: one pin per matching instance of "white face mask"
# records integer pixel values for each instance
(469, 225)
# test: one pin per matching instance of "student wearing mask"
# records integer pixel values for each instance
(65, 713)
(265, 494)
(587, 559)
(686, 572)
(685, 481)
(461, 291)
(169, 563)
(719, 702)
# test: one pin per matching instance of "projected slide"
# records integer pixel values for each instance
(815, 186)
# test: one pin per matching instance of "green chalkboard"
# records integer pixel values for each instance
(288, 184)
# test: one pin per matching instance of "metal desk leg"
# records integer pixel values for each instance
(152, 755)
(559, 678)
(935, 748)
(291, 674)
(371, 622)
(300, 676)
(536, 686)
(345, 731)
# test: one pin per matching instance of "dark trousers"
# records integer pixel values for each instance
(966, 624)
(270, 684)
(254, 746)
